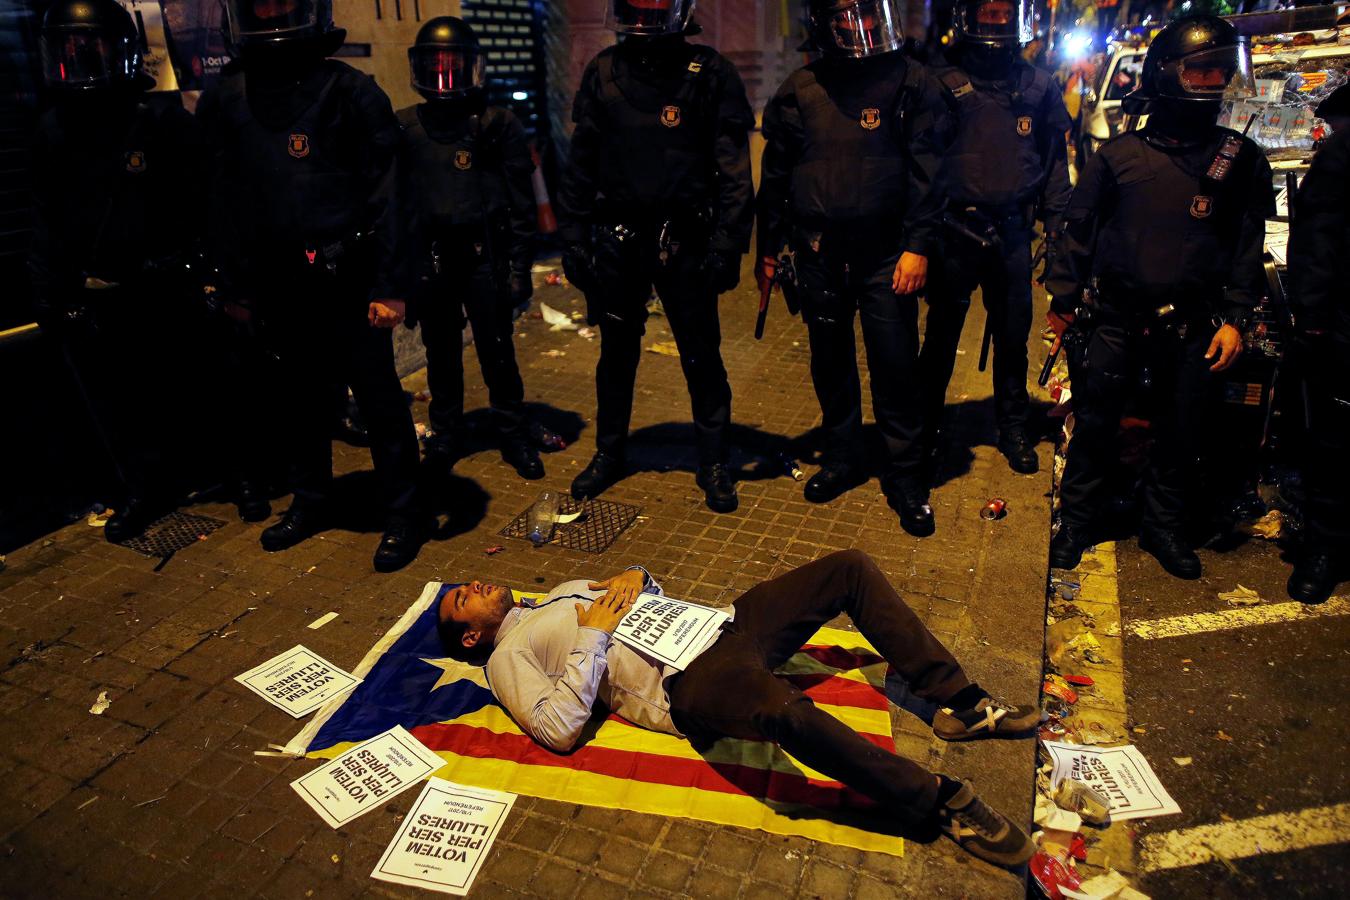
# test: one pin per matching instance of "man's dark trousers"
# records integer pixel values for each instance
(731, 691)
(852, 273)
(628, 271)
(469, 285)
(1003, 275)
(1326, 477)
(318, 326)
(1179, 395)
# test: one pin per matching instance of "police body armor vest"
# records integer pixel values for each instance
(457, 178)
(659, 140)
(292, 178)
(994, 160)
(854, 162)
(1177, 216)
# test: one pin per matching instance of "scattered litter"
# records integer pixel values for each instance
(1242, 596)
(1111, 886)
(1272, 526)
(553, 279)
(1135, 790)
(423, 431)
(91, 800)
(1052, 868)
(1053, 817)
(2, 562)
(553, 354)
(996, 508)
(547, 440)
(1057, 687)
(335, 859)
(588, 333)
(1087, 801)
(298, 681)
(322, 620)
(791, 854)
(1223, 736)
(99, 516)
(311, 570)
(493, 550)
(101, 704)
(422, 396)
(557, 321)
(1095, 734)
(151, 800)
(1182, 760)
(1080, 680)
(665, 348)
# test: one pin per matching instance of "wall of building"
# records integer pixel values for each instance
(388, 27)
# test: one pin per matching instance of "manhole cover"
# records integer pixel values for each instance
(599, 526)
(168, 535)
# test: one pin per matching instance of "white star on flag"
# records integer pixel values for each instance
(453, 670)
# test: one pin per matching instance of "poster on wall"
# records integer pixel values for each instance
(149, 19)
(197, 35)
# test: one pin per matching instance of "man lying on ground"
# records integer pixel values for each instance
(550, 664)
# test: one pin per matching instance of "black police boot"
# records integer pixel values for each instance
(523, 456)
(402, 540)
(1067, 546)
(1020, 450)
(439, 454)
(602, 471)
(909, 498)
(1314, 577)
(299, 523)
(252, 502)
(831, 481)
(718, 488)
(1171, 552)
(128, 522)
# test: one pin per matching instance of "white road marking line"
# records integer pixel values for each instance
(1277, 833)
(1268, 614)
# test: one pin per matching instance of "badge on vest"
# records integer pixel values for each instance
(1201, 206)
(135, 161)
(463, 160)
(298, 145)
(670, 116)
(871, 118)
(695, 67)
(1023, 126)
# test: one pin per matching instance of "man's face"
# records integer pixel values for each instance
(994, 13)
(1212, 79)
(274, 9)
(480, 607)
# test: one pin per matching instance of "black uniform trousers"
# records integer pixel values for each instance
(851, 275)
(1326, 475)
(1180, 393)
(317, 324)
(627, 271)
(468, 284)
(1003, 275)
(773, 620)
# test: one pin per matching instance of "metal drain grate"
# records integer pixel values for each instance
(600, 525)
(168, 535)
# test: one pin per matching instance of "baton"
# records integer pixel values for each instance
(764, 296)
(1049, 366)
(984, 342)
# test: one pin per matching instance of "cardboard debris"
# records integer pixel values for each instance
(1241, 596)
(665, 348)
(101, 704)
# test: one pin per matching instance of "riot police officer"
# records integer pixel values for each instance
(1006, 167)
(1319, 265)
(853, 148)
(658, 193)
(308, 238)
(466, 170)
(1162, 251)
(115, 185)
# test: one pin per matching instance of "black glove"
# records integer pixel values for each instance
(722, 268)
(520, 286)
(579, 267)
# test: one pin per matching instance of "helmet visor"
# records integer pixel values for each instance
(1218, 73)
(446, 71)
(1004, 22)
(864, 28)
(85, 58)
(268, 19)
(648, 16)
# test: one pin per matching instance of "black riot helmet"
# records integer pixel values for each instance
(649, 17)
(89, 45)
(995, 24)
(1199, 59)
(855, 28)
(446, 60)
(274, 26)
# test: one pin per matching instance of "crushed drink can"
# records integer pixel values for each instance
(996, 508)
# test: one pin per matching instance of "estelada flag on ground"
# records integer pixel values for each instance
(409, 681)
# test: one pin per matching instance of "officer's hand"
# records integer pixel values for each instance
(1227, 344)
(723, 269)
(604, 614)
(911, 274)
(626, 585)
(1059, 323)
(387, 313)
(578, 267)
(765, 272)
(521, 287)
